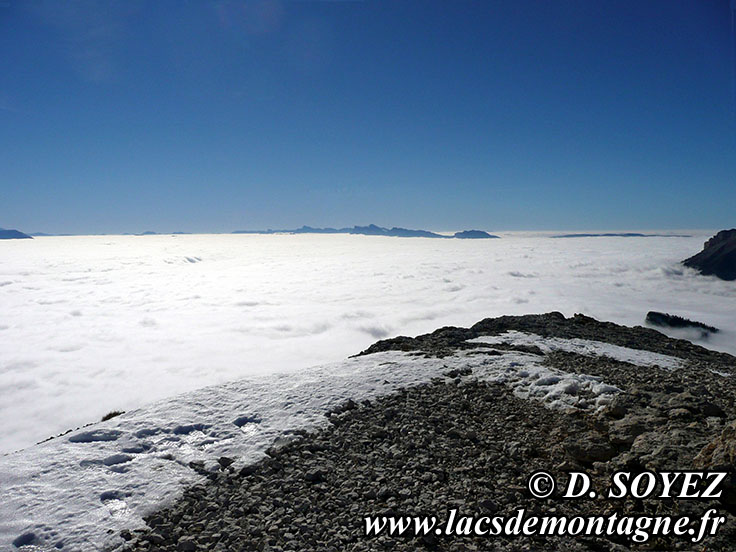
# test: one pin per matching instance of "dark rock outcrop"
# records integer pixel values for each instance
(13, 235)
(673, 321)
(718, 257)
(445, 340)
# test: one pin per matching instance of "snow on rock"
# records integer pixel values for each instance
(530, 379)
(77, 491)
(584, 347)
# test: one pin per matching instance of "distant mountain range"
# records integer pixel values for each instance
(373, 230)
(13, 235)
(370, 230)
(621, 235)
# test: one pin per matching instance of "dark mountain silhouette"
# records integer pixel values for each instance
(718, 257)
(13, 235)
(310, 230)
(372, 230)
(473, 235)
(621, 235)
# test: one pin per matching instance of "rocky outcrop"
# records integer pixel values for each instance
(673, 321)
(718, 257)
(13, 235)
(553, 324)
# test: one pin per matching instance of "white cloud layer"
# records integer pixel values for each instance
(101, 323)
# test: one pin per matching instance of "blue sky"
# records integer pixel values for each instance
(215, 116)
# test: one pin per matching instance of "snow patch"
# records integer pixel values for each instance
(95, 435)
(584, 347)
(529, 378)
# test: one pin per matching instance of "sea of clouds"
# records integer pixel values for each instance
(91, 324)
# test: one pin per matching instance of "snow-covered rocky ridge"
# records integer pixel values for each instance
(77, 491)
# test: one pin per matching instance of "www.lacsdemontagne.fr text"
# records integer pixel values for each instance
(638, 528)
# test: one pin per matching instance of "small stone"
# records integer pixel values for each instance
(315, 476)
(680, 414)
(24, 540)
(186, 544)
(589, 447)
(489, 505)
(248, 470)
(155, 538)
(225, 461)
(384, 493)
